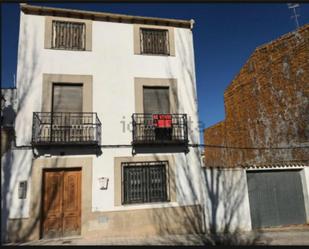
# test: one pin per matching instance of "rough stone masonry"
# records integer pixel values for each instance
(267, 107)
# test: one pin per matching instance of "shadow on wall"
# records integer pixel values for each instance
(216, 221)
(14, 163)
(225, 196)
(160, 149)
(68, 150)
(23, 229)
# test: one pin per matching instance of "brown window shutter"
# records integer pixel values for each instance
(67, 98)
(156, 100)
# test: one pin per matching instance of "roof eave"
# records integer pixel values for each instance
(103, 16)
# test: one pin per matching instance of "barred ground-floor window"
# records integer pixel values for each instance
(144, 182)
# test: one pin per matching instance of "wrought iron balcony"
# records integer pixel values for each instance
(66, 128)
(160, 129)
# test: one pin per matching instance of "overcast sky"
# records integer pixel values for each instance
(224, 34)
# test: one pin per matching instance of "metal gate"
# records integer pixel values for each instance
(276, 198)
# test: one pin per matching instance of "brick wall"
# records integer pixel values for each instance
(266, 105)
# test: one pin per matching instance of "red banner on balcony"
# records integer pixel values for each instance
(162, 120)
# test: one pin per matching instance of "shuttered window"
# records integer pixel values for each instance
(154, 41)
(67, 117)
(156, 100)
(144, 182)
(67, 98)
(68, 35)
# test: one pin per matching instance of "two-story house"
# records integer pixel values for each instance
(107, 110)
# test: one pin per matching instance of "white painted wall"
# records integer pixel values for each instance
(113, 65)
(226, 200)
(305, 183)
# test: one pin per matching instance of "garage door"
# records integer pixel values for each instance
(276, 198)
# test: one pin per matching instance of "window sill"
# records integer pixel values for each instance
(162, 55)
(125, 207)
(69, 50)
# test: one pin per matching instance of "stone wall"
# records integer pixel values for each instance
(267, 106)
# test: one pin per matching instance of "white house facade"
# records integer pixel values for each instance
(107, 114)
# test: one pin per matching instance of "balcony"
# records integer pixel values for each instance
(160, 129)
(63, 128)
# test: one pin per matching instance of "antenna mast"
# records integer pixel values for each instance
(295, 15)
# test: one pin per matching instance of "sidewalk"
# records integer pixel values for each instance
(281, 236)
(291, 235)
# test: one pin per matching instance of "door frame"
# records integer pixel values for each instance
(43, 195)
(38, 165)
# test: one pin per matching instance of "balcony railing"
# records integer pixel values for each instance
(66, 128)
(159, 129)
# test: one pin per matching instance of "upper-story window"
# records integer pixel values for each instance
(68, 35)
(156, 100)
(154, 41)
(64, 33)
(157, 119)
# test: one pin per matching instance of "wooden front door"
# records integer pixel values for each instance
(61, 203)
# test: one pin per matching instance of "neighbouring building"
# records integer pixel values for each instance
(8, 114)
(106, 114)
(264, 139)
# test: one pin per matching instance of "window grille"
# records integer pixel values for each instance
(154, 41)
(68, 35)
(144, 182)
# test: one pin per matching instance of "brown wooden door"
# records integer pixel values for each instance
(71, 203)
(62, 203)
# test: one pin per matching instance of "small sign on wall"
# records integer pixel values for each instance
(103, 182)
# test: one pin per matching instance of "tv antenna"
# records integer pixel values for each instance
(295, 15)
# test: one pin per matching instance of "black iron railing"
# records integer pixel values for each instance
(160, 128)
(66, 128)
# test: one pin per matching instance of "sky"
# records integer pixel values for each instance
(225, 35)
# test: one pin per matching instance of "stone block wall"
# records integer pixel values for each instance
(267, 106)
